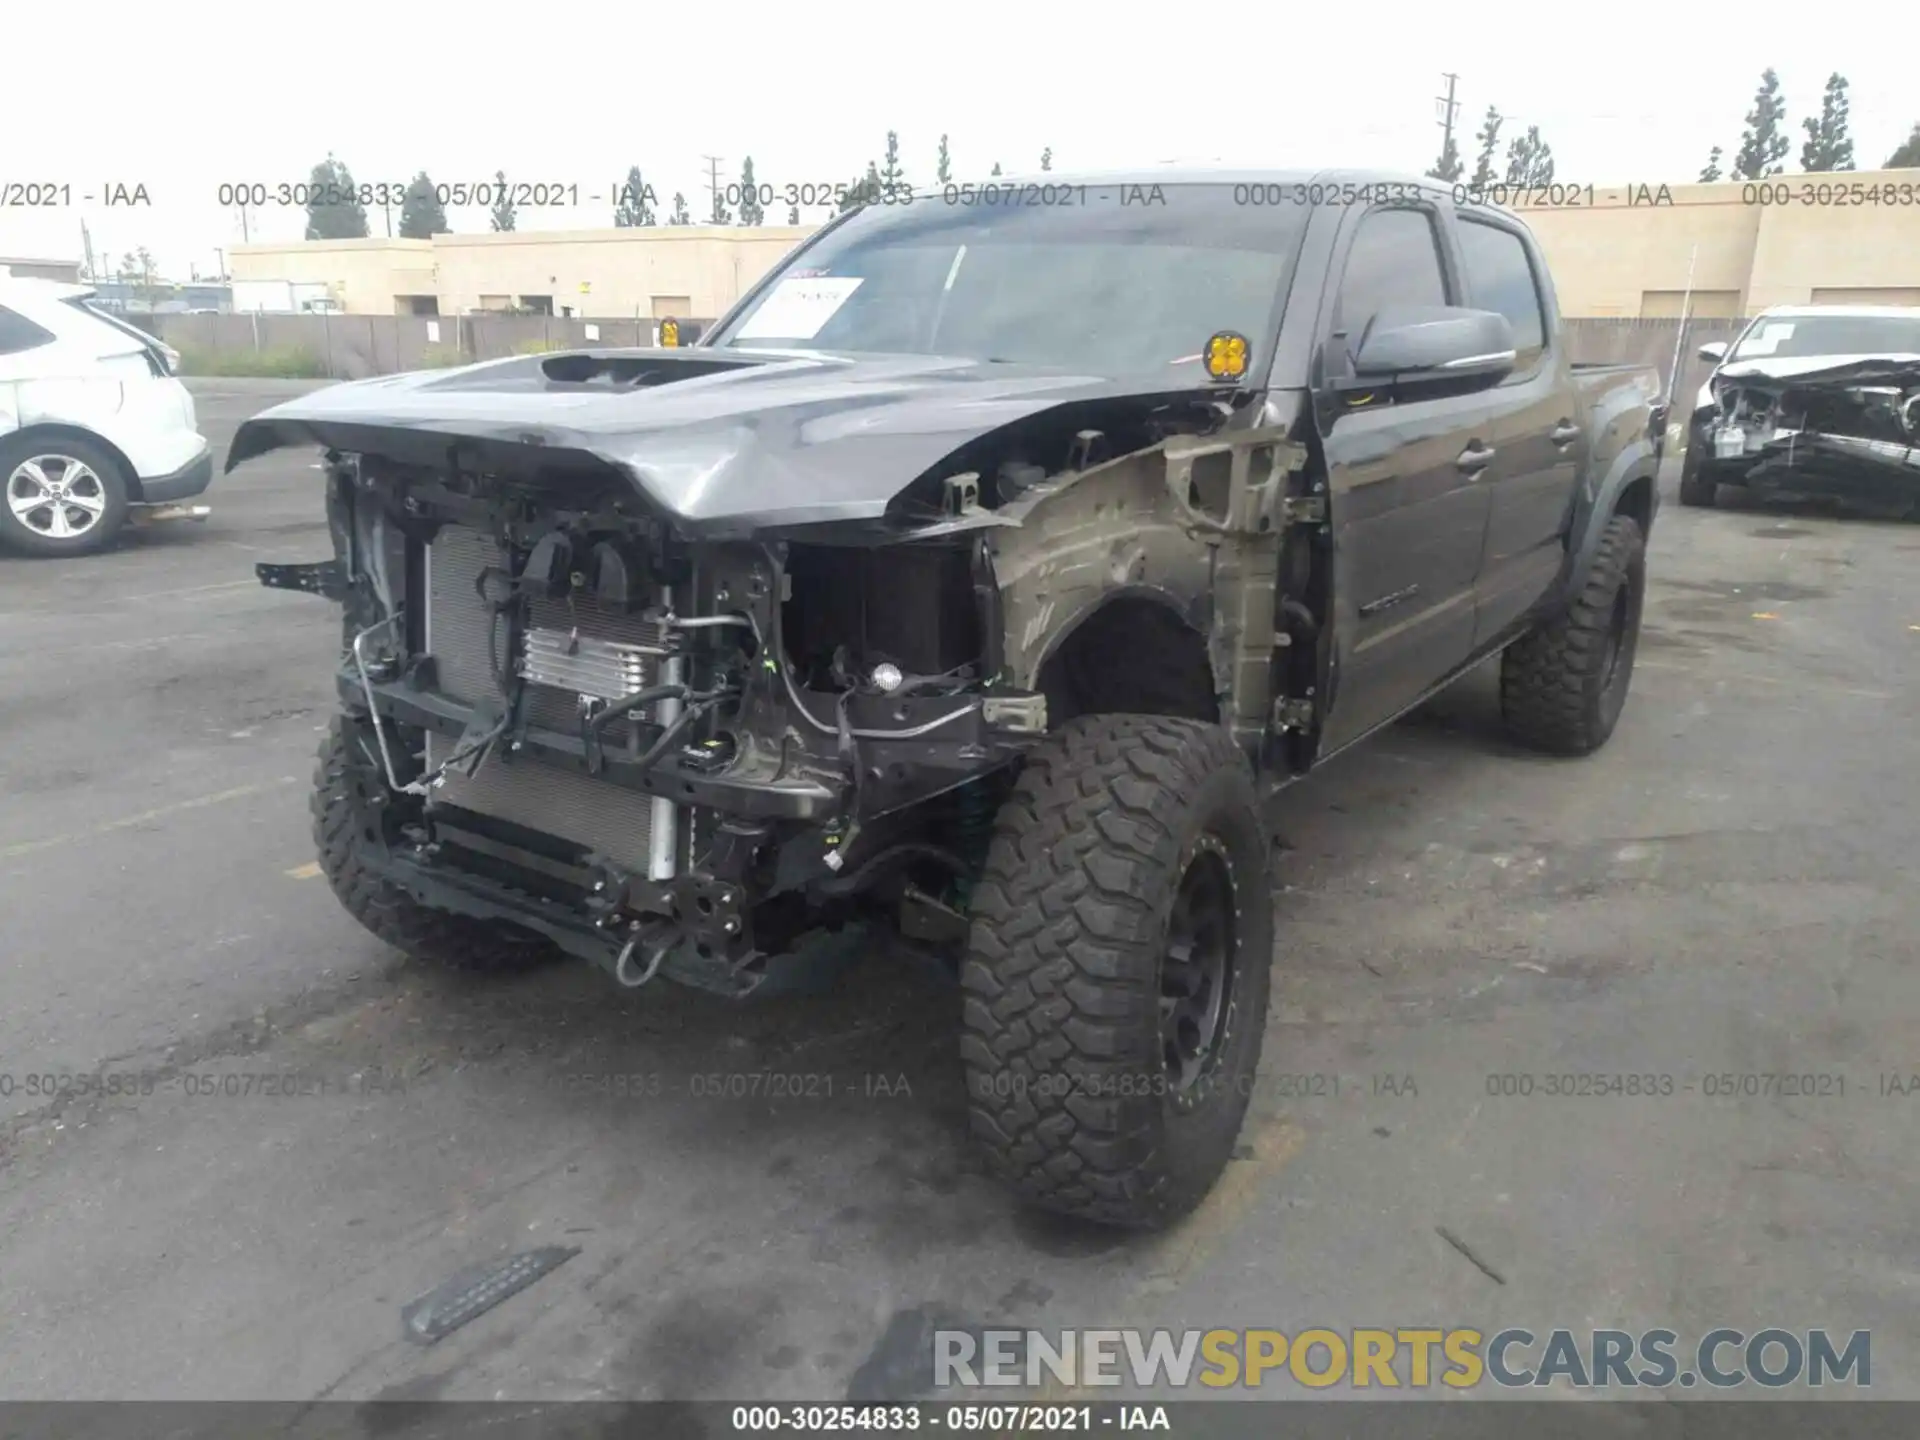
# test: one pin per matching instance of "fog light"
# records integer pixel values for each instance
(886, 678)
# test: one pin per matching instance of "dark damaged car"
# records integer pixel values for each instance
(1812, 402)
(983, 570)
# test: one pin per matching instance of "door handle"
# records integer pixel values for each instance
(1565, 433)
(1475, 458)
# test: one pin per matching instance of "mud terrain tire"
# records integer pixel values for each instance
(1563, 686)
(435, 937)
(1129, 859)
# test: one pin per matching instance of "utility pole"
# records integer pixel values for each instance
(1449, 107)
(244, 240)
(387, 205)
(86, 244)
(713, 184)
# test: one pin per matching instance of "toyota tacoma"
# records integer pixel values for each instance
(985, 568)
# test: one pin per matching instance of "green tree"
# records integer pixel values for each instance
(862, 191)
(793, 214)
(752, 212)
(1907, 156)
(1046, 158)
(1488, 136)
(893, 175)
(504, 217)
(1710, 172)
(1829, 145)
(943, 166)
(635, 207)
(996, 167)
(1529, 160)
(422, 216)
(1448, 166)
(679, 215)
(1764, 144)
(719, 214)
(138, 272)
(334, 212)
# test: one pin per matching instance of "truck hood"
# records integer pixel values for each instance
(717, 440)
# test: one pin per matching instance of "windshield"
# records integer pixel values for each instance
(1808, 336)
(1111, 283)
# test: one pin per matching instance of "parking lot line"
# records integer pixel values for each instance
(192, 590)
(1748, 678)
(28, 847)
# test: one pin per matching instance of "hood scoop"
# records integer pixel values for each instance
(629, 371)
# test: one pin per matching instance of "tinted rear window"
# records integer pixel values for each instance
(18, 333)
(155, 356)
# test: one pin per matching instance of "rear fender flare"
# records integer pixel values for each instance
(1636, 461)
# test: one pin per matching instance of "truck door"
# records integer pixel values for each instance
(1536, 423)
(1409, 509)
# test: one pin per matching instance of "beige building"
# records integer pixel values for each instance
(1792, 240)
(1620, 250)
(363, 277)
(684, 271)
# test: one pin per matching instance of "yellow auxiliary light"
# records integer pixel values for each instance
(1226, 356)
(670, 333)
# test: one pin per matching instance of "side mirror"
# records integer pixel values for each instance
(1713, 352)
(1435, 343)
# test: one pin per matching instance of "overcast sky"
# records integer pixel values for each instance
(181, 99)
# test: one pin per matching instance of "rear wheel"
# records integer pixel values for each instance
(62, 496)
(1117, 969)
(345, 782)
(1563, 686)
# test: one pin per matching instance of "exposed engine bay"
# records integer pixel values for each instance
(675, 755)
(1851, 430)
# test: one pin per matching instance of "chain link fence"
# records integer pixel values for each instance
(353, 347)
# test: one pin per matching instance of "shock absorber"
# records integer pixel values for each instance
(974, 806)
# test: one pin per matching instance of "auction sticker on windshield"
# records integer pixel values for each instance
(1767, 339)
(797, 309)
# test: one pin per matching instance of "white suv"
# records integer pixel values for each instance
(92, 421)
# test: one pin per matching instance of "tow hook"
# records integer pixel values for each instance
(631, 971)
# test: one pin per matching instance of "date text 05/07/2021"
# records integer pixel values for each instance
(996, 1420)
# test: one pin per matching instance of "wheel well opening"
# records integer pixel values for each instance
(1636, 501)
(43, 431)
(1132, 656)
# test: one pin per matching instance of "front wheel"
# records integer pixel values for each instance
(1117, 969)
(1563, 686)
(62, 496)
(346, 781)
(1699, 485)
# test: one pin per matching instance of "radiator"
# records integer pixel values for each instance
(564, 803)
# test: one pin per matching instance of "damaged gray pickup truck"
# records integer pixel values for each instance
(985, 568)
(1812, 402)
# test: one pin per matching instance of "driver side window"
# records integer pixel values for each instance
(1395, 260)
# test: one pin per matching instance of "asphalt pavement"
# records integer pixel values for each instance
(778, 1200)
